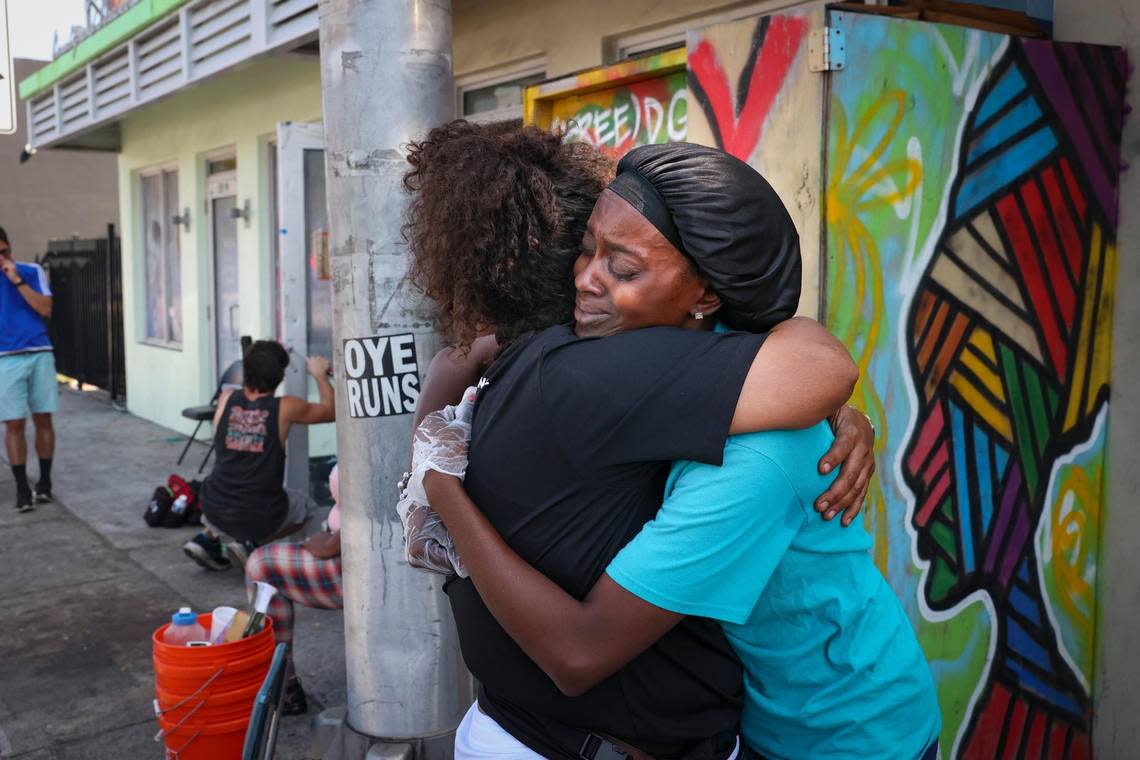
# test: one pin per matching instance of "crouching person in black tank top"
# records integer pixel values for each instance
(244, 497)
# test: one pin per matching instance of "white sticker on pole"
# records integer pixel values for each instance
(7, 76)
(381, 375)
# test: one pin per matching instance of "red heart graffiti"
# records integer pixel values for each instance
(737, 130)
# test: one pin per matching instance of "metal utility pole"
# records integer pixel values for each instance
(386, 74)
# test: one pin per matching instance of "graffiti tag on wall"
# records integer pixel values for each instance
(619, 119)
(737, 123)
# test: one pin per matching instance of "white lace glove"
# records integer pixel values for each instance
(440, 443)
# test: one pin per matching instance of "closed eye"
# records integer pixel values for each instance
(622, 273)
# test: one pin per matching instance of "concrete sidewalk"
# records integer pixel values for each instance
(86, 582)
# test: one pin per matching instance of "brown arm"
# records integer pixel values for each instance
(301, 411)
(801, 375)
(39, 302)
(577, 643)
(221, 407)
(451, 372)
(324, 545)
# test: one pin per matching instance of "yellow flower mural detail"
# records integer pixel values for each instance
(862, 185)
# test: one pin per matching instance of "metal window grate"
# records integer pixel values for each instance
(219, 33)
(73, 100)
(112, 81)
(159, 56)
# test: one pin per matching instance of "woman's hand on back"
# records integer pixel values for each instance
(853, 452)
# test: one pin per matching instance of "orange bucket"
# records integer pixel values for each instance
(226, 673)
(204, 695)
(208, 705)
(183, 656)
(218, 741)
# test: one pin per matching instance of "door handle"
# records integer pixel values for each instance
(233, 331)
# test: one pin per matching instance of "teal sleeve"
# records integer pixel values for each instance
(716, 540)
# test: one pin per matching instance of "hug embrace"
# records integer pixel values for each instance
(634, 497)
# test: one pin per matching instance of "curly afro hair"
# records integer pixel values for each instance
(495, 224)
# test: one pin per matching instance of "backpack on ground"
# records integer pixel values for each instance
(159, 508)
(191, 512)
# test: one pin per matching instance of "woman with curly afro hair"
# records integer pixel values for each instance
(573, 433)
(505, 207)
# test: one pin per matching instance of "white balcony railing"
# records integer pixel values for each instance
(199, 40)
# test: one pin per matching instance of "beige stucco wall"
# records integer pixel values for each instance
(238, 111)
(572, 35)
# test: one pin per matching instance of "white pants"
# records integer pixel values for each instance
(480, 736)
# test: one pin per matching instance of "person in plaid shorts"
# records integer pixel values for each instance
(303, 573)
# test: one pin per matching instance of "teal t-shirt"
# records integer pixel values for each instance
(832, 666)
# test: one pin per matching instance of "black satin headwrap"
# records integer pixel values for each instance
(721, 213)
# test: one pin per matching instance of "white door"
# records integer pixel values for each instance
(304, 270)
(221, 194)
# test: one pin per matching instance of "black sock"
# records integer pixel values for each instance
(19, 471)
(45, 472)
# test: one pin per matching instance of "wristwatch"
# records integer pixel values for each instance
(19, 283)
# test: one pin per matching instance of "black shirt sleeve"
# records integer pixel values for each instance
(647, 395)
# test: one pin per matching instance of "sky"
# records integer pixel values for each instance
(32, 22)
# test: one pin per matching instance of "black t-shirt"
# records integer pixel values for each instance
(571, 443)
(244, 496)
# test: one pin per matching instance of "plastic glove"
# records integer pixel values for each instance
(440, 443)
(427, 544)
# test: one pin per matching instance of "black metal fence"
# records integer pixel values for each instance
(86, 323)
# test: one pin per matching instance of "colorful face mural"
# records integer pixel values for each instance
(971, 218)
(970, 207)
(1008, 341)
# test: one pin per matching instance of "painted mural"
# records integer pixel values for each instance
(1008, 340)
(617, 108)
(736, 122)
(753, 95)
(617, 120)
(969, 203)
(971, 216)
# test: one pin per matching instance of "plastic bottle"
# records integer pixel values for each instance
(180, 505)
(184, 628)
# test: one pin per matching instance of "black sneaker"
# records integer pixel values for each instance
(239, 551)
(43, 492)
(24, 500)
(207, 552)
(294, 702)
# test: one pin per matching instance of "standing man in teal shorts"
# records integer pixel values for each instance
(27, 372)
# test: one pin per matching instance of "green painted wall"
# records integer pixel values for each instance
(238, 111)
